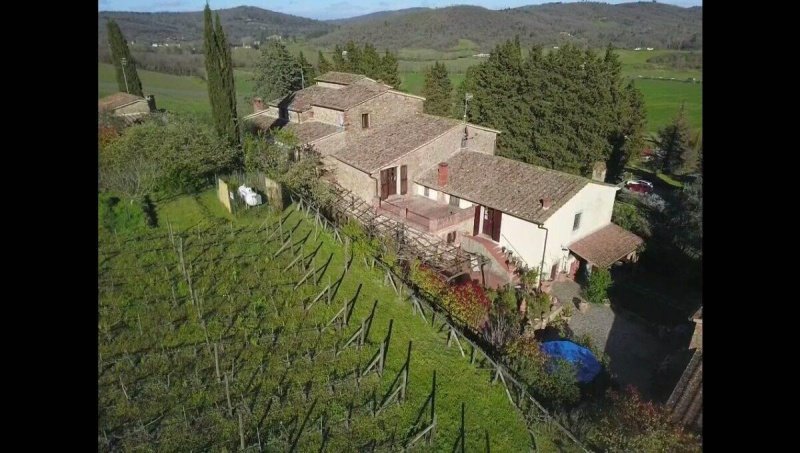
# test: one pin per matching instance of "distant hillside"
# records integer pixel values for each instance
(380, 15)
(595, 24)
(625, 25)
(240, 23)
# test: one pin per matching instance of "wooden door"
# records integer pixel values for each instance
(498, 216)
(554, 271)
(403, 179)
(385, 182)
(488, 220)
(476, 228)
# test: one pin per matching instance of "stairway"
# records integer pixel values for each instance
(494, 251)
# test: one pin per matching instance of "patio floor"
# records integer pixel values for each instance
(633, 346)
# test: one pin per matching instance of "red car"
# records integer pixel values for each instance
(643, 187)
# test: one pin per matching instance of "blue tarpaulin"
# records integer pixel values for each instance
(584, 360)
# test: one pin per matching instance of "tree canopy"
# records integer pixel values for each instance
(565, 110)
(277, 72)
(437, 90)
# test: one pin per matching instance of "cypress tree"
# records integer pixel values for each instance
(437, 90)
(353, 58)
(628, 139)
(127, 77)
(370, 64)
(323, 64)
(309, 72)
(389, 73)
(339, 64)
(277, 73)
(219, 75)
(674, 143)
(228, 122)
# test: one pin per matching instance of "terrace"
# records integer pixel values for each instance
(423, 213)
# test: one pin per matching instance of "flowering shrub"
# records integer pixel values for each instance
(630, 424)
(466, 302)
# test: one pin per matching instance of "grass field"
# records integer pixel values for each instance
(663, 98)
(234, 269)
(180, 94)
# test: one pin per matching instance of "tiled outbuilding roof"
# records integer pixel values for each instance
(607, 245)
(306, 132)
(117, 100)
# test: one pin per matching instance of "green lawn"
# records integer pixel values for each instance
(490, 418)
(413, 82)
(663, 98)
(180, 94)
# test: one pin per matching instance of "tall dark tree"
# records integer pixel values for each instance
(229, 120)
(323, 65)
(628, 139)
(219, 75)
(277, 73)
(686, 219)
(339, 63)
(389, 73)
(309, 72)
(563, 110)
(352, 58)
(127, 77)
(674, 142)
(438, 90)
(370, 63)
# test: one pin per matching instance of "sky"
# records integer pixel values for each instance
(327, 9)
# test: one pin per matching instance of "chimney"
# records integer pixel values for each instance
(599, 172)
(151, 102)
(546, 203)
(443, 173)
(258, 104)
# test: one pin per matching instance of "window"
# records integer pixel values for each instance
(427, 192)
(454, 201)
(451, 237)
(364, 120)
(284, 114)
(577, 222)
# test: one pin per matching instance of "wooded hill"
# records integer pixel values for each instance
(626, 25)
(239, 23)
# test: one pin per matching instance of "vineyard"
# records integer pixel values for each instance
(265, 334)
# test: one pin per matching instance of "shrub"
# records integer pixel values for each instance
(466, 301)
(117, 215)
(172, 157)
(553, 381)
(598, 284)
(627, 423)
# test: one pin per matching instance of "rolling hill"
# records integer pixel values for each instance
(239, 23)
(625, 25)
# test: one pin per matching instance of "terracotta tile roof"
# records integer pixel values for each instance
(380, 146)
(117, 100)
(306, 132)
(686, 401)
(511, 186)
(301, 100)
(343, 78)
(606, 245)
(339, 99)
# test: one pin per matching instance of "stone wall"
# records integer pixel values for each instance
(386, 108)
(353, 179)
(138, 107)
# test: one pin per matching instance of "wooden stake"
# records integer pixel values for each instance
(216, 362)
(228, 396)
(241, 430)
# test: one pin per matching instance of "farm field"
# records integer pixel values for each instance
(663, 98)
(209, 338)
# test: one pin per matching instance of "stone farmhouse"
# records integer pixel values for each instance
(127, 105)
(441, 176)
